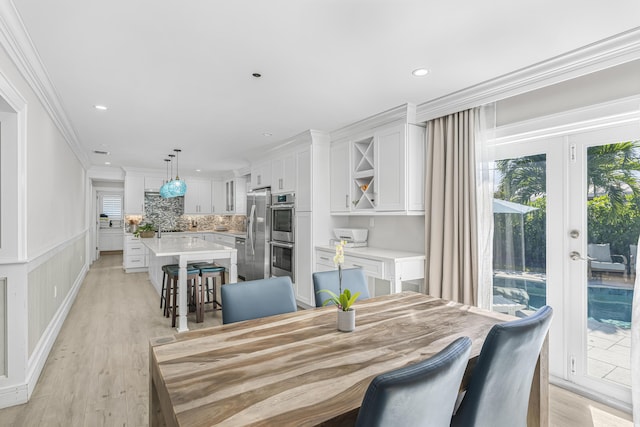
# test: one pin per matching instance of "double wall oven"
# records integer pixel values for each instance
(283, 235)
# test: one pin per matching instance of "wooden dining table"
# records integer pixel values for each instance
(296, 369)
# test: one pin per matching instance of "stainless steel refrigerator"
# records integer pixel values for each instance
(257, 256)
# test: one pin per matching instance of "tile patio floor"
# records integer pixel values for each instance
(609, 352)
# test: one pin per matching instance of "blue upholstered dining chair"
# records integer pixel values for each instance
(352, 279)
(257, 298)
(499, 388)
(422, 394)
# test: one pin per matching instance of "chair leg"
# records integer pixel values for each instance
(164, 277)
(175, 302)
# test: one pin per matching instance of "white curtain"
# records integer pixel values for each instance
(485, 131)
(635, 347)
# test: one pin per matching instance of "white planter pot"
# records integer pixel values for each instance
(346, 320)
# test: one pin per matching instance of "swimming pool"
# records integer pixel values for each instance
(606, 304)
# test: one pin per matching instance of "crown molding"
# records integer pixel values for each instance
(606, 53)
(405, 113)
(20, 48)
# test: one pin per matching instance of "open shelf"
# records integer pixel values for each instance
(362, 175)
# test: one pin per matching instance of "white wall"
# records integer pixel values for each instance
(52, 197)
(404, 233)
(595, 88)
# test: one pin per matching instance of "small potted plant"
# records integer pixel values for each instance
(344, 300)
(145, 231)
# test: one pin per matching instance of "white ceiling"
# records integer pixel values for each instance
(178, 74)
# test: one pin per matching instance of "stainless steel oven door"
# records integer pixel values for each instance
(282, 223)
(282, 259)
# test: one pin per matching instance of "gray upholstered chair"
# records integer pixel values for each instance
(499, 388)
(352, 279)
(257, 298)
(422, 394)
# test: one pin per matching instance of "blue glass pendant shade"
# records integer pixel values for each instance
(164, 191)
(177, 188)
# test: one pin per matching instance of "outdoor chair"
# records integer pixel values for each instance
(602, 261)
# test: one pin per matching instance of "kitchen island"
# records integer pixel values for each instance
(187, 249)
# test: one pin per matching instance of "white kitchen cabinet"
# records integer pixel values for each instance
(392, 267)
(390, 171)
(261, 175)
(110, 239)
(283, 174)
(339, 177)
(217, 196)
(197, 199)
(136, 255)
(304, 258)
(134, 194)
(235, 196)
(383, 175)
(303, 179)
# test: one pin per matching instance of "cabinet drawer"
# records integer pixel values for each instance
(136, 261)
(370, 267)
(325, 259)
(136, 249)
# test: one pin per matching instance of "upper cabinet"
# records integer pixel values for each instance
(134, 194)
(379, 173)
(283, 174)
(235, 196)
(339, 177)
(261, 175)
(197, 199)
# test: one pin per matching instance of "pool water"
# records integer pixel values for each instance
(605, 304)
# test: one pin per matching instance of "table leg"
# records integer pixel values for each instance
(182, 296)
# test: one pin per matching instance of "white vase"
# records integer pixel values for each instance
(347, 320)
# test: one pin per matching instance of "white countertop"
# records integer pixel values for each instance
(169, 245)
(380, 254)
(231, 233)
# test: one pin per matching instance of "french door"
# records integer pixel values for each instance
(566, 226)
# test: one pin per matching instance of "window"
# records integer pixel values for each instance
(112, 206)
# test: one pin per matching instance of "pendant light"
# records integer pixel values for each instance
(177, 187)
(164, 190)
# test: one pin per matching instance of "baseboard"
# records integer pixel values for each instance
(42, 350)
(605, 400)
(13, 395)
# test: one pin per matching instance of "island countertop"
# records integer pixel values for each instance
(181, 245)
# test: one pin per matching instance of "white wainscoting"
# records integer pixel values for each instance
(3, 326)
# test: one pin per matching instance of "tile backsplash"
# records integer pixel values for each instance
(167, 213)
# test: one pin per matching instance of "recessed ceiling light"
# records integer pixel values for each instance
(256, 75)
(100, 107)
(198, 170)
(267, 134)
(420, 72)
(107, 163)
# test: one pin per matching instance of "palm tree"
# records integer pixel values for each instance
(612, 170)
(523, 179)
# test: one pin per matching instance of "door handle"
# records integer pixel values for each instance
(575, 255)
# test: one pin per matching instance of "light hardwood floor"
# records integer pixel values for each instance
(97, 372)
